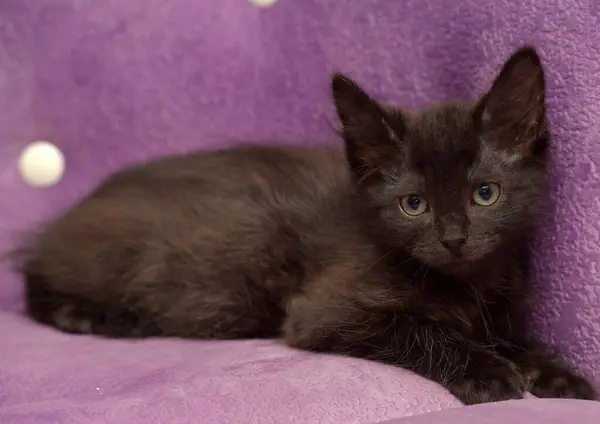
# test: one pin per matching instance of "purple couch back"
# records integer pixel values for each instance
(119, 81)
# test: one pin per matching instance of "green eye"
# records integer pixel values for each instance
(414, 205)
(486, 194)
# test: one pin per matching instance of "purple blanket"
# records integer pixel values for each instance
(114, 82)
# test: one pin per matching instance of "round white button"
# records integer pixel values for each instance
(263, 3)
(41, 164)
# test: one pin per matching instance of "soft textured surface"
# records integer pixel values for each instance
(514, 412)
(118, 81)
(49, 377)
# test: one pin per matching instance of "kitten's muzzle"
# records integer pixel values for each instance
(454, 243)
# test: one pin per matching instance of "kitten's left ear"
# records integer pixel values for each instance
(372, 135)
(513, 113)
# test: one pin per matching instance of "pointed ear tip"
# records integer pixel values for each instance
(339, 80)
(529, 53)
(343, 86)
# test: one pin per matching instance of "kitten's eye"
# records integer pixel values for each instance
(486, 194)
(414, 205)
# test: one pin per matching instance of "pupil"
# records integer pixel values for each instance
(485, 192)
(414, 202)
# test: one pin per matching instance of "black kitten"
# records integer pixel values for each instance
(413, 255)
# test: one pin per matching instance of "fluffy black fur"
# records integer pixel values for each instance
(318, 245)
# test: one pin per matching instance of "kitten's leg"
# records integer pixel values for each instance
(548, 375)
(74, 314)
(342, 326)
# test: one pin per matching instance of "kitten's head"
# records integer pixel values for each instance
(455, 182)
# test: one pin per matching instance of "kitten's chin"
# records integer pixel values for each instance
(458, 268)
(463, 267)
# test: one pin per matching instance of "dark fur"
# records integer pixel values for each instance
(262, 242)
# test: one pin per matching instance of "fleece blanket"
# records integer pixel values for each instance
(115, 82)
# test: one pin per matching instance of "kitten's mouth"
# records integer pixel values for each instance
(462, 266)
(460, 262)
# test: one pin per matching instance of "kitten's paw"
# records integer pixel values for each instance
(489, 378)
(554, 380)
(68, 319)
(85, 319)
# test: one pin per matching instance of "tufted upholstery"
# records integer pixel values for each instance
(119, 81)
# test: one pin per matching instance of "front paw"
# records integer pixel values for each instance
(488, 378)
(552, 379)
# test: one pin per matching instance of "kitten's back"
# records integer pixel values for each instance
(208, 243)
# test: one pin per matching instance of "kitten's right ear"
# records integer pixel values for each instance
(372, 137)
(513, 112)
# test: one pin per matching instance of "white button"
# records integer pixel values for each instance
(263, 3)
(41, 164)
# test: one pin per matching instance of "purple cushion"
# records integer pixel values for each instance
(119, 81)
(546, 411)
(48, 376)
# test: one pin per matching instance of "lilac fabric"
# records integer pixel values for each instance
(514, 412)
(47, 376)
(114, 82)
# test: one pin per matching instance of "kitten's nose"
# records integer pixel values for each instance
(454, 243)
(452, 232)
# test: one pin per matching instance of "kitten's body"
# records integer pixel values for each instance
(262, 242)
(212, 244)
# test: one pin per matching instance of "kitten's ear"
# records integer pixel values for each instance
(371, 134)
(513, 113)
